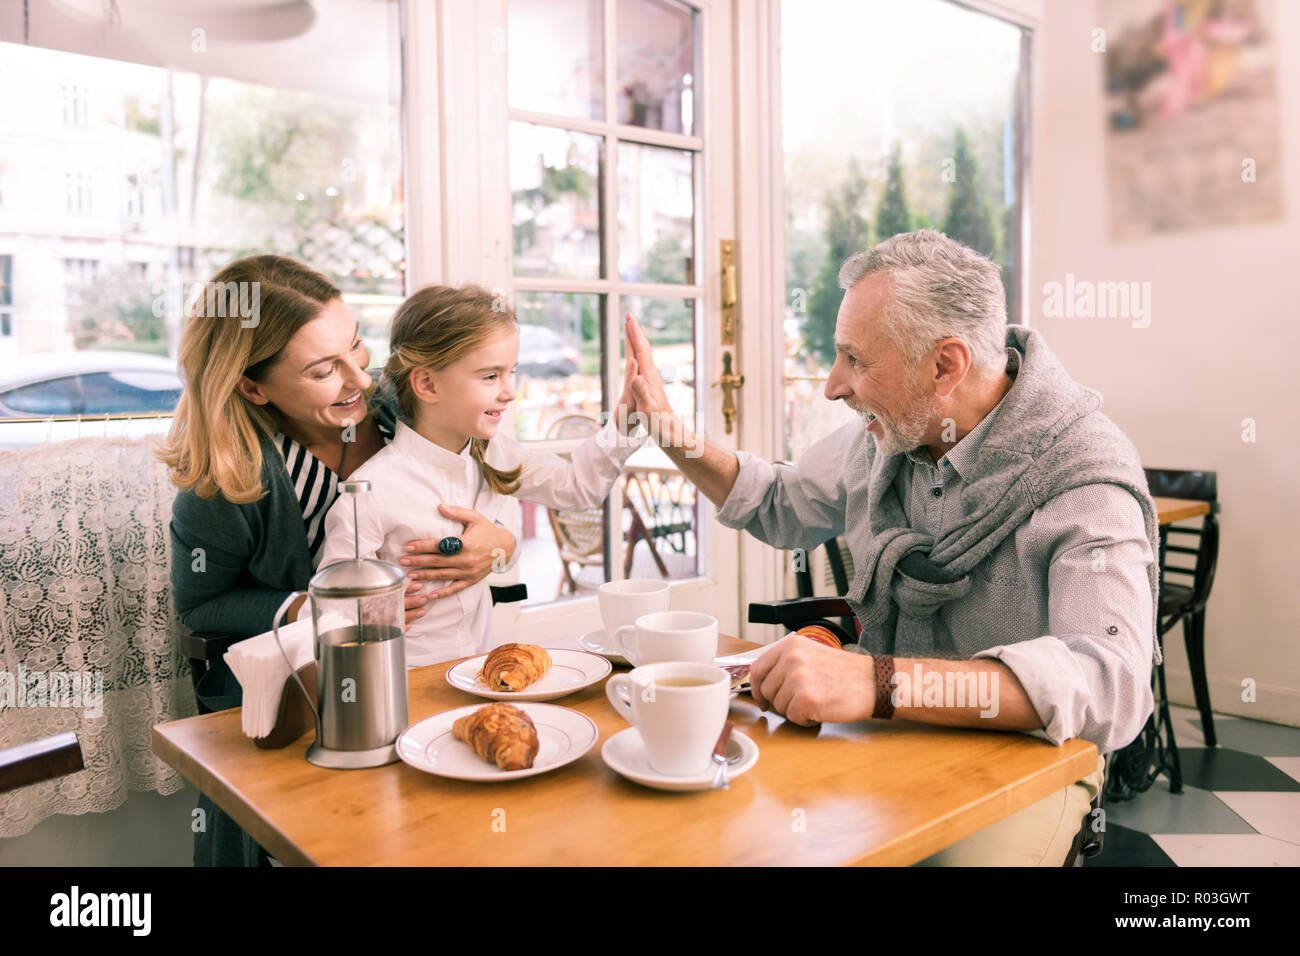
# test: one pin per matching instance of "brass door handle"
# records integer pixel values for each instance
(730, 383)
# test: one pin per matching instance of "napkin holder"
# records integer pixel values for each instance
(295, 716)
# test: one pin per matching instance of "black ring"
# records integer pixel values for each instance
(450, 546)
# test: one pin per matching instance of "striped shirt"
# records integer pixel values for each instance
(316, 486)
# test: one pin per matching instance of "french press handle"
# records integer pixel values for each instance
(275, 629)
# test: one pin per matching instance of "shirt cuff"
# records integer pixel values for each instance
(1053, 681)
(752, 483)
(619, 446)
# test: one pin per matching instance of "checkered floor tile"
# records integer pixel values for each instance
(1240, 804)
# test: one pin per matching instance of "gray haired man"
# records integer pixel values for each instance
(1001, 530)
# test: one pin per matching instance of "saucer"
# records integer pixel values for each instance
(570, 671)
(625, 754)
(598, 642)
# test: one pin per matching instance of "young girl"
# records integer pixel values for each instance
(452, 368)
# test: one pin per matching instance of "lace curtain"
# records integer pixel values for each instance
(84, 593)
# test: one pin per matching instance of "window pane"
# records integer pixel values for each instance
(656, 65)
(563, 550)
(559, 364)
(861, 169)
(56, 397)
(659, 498)
(555, 183)
(129, 391)
(213, 157)
(557, 57)
(656, 214)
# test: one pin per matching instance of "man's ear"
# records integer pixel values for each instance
(951, 362)
(251, 390)
(424, 384)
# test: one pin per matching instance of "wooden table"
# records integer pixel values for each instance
(1169, 510)
(874, 792)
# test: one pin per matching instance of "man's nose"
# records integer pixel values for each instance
(836, 386)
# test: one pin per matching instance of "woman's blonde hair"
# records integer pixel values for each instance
(238, 326)
(434, 328)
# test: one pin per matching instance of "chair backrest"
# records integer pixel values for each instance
(573, 426)
(40, 760)
(838, 560)
(1195, 486)
(581, 532)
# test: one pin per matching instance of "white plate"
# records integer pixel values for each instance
(570, 671)
(625, 754)
(563, 735)
(598, 642)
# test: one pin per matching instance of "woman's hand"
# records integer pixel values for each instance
(486, 547)
(415, 601)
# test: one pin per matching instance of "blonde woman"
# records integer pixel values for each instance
(451, 365)
(275, 380)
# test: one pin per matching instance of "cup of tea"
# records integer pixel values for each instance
(668, 636)
(679, 708)
(622, 602)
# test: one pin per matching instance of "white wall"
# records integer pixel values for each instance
(1220, 348)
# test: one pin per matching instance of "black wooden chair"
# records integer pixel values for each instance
(1186, 602)
(803, 611)
(840, 562)
(40, 760)
(202, 649)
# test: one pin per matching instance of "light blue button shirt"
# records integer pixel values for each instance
(1064, 602)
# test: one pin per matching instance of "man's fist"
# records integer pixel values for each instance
(809, 683)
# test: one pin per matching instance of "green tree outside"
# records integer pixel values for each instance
(893, 215)
(968, 219)
(847, 232)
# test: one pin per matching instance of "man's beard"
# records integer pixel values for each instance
(906, 432)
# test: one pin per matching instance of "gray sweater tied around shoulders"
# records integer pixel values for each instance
(1048, 438)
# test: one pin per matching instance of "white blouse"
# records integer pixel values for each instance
(412, 476)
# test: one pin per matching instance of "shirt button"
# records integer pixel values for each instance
(1112, 629)
(936, 491)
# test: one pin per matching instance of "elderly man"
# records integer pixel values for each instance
(1001, 530)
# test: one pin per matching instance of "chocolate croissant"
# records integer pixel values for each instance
(512, 667)
(501, 734)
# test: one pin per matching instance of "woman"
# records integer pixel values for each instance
(277, 409)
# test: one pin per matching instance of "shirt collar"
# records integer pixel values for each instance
(412, 443)
(961, 457)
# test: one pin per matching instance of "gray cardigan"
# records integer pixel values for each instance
(233, 565)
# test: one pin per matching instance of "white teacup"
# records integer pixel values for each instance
(668, 636)
(679, 708)
(622, 602)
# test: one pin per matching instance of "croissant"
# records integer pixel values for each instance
(512, 667)
(501, 734)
